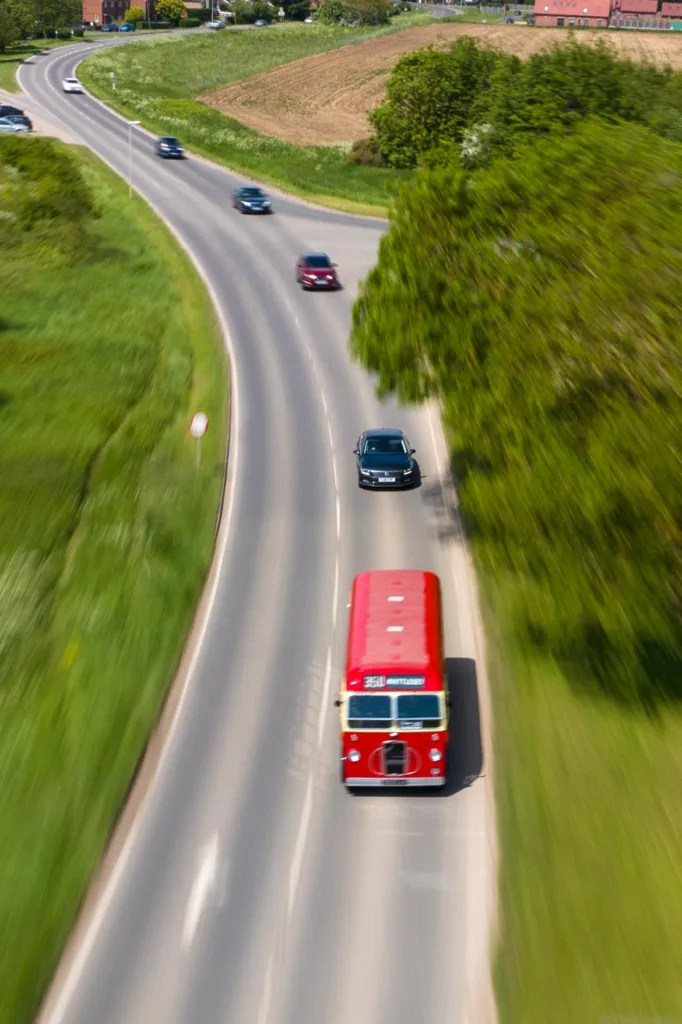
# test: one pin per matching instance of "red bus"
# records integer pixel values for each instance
(394, 704)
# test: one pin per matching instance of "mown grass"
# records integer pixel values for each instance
(106, 533)
(158, 85)
(588, 797)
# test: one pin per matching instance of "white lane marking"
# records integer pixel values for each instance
(204, 882)
(264, 1011)
(57, 1014)
(297, 860)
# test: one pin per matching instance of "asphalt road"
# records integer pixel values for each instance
(255, 890)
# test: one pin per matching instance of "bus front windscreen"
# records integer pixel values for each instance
(418, 711)
(369, 711)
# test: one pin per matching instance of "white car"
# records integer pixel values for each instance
(72, 85)
(215, 25)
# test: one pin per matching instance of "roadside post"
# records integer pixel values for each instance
(113, 80)
(197, 429)
(280, 14)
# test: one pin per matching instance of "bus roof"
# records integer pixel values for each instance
(394, 632)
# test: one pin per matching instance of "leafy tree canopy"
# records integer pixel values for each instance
(539, 300)
(443, 98)
(354, 12)
(134, 15)
(170, 10)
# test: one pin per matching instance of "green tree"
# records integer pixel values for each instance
(430, 95)
(134, 15)
(170, 10)
(51, 15)
(539, 301)
(9, 32)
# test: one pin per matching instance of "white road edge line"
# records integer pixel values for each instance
(297, 860)
(56, 1015)
(264, 1011)
(204, 882)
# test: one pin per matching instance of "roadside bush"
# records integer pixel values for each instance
(366, 153)
(353, 12)
(191, 23)
(79, 33)
(133, 15)
(162, 26)
(557, 354)
(63, 33)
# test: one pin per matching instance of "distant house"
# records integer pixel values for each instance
(101, 12)
(578, 13)
(670, 10)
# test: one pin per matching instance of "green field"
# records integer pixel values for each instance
(588, 797)
(158, 85)
(108, 344)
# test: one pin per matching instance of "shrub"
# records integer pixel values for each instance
(63, 33)
(191, 22)
(366, 153)
(79, 33)
(133, 15)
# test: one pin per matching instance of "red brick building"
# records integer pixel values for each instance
(101, 12)
(578, 13)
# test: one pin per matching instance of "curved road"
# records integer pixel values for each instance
(254, 889)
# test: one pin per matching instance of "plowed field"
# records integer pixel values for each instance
(325, 98)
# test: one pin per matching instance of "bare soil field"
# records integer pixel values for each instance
(324, 99)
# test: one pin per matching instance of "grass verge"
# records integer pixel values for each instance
(588, 798)
(158, 86)
(106, 534)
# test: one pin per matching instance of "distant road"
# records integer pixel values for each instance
(255, 890)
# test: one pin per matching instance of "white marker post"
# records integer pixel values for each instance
(197, 429)
(280, 13)
(113, 80)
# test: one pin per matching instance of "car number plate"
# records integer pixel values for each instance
(386, 479)
(394, 782)
(319, 280)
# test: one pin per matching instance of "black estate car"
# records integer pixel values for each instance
(384, 459)
(251, 199)
(168, 148)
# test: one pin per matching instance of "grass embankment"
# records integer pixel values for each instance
(108, 344)
(588, 798)
(15, 55)
(158, 86)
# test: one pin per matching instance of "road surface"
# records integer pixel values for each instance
(254, 889)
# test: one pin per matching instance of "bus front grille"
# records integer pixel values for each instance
(394, 758)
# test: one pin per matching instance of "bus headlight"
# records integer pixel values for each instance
(435, 755)
(354, 756)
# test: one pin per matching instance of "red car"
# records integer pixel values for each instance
(316, 270)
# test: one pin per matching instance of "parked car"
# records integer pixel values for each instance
(110, 27)
(128, 27)
(260, 23)
(6, 111)
(251, 199)
(215, 25)
(316, 270)
(20, 119)
(72, 85)
(169, 148)
(307, 21)
(384, 459)
(8, 127)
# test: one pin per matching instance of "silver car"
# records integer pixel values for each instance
(9, 126)
(72, 85)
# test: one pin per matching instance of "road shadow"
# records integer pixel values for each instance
(442, 509)
(465, 756)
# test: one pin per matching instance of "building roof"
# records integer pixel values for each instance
(574, 8)
(395, 629)
(670, 10)
(638, 6)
